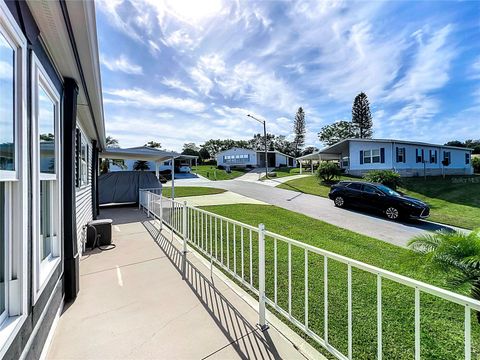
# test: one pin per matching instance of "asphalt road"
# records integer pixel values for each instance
(397, 233)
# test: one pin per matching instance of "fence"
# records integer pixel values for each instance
(276, 269)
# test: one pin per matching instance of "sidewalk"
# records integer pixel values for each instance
(133, 304)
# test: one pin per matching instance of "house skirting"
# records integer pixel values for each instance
(418, 172)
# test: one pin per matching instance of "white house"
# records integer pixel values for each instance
(409, 158)
(241, 157)
(51, 132)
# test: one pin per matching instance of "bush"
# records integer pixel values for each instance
(476, 164)
(327, 172)
(388, 178)
(221, 167)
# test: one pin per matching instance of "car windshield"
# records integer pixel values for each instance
(387, 190)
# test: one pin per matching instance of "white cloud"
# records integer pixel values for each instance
(144, 99)
(121, 64)
(6, 70)
(177, 84)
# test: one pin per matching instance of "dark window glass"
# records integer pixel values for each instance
(369, 189)
(355, 186)
(46, 128)
(7, 105)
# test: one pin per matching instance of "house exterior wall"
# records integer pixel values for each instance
(410, 167)
(83, 197)
(252, 160)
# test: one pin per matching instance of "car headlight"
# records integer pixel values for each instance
(413, 205)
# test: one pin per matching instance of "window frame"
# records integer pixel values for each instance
(16, 278)
(468, 158)
(400, 154)
(83, 179)
(43, 269)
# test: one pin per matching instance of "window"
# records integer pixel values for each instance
(82, 160)
(419, 155)
(355, 186)
(13, 174)
(45, 123)
(371, 156)
(467, 158)
(236, 159)
(369, 189)
(446, 158)
(401, 155)
(433, 156)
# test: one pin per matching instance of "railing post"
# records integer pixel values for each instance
(185, 238)
(140, 199)
(148, 203)
(261, 277)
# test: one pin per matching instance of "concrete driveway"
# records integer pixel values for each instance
(397, 233)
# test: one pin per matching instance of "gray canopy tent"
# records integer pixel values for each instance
(148, 154)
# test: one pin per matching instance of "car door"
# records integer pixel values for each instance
(354, 194)
(372, 197)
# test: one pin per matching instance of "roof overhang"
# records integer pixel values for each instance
(332, 152)
(68, 31)
(143, 154)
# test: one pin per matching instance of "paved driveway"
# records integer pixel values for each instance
(396, 233)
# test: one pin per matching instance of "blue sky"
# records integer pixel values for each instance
(186, 71)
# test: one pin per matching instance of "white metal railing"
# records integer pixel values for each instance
(241, 250)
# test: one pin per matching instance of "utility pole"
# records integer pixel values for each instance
(266, 142)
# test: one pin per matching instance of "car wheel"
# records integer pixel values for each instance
(392, 213)
(339, 201)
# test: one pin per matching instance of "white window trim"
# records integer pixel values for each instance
(44, 269)
(83, 137)
(16, 278)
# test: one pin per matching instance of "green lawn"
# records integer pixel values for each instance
(211, 172)
(442, 323)
(452, 203)
(286, 171)
(182, 191)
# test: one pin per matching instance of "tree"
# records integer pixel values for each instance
(141, 165)
(361, 115)
(204, 154)
(189, 151)
(341, 130)
(190, 146)
(153, 144)
(299, 130)
(258, 142)
(471, 144)
(284, 146)
(309, 150)
(456, 143)
(456, 252)
(106, 163)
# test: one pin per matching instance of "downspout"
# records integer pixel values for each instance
(70, 251)
(95, 206)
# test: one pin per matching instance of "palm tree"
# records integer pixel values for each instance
(106, 163)
(141, 165)
(455, 251)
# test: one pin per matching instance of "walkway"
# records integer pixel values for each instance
(226, 198)
(133, 304)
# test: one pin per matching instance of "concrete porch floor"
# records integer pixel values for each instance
(133, 304)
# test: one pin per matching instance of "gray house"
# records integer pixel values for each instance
(51, 131)
(409, 158)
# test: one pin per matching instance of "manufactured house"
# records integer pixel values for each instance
(241, 157)
(409, 158)
(51, 132)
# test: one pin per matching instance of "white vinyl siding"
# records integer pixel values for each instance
(83, 197)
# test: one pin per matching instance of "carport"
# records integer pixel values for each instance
(330, 153)
(149, 154)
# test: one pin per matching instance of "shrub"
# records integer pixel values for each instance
(327, 172)
(221, 167)
(476, 164)
(388, 178)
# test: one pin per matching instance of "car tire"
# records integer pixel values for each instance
(392, 213)
(339, 201)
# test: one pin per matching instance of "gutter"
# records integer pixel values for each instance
(71, 36)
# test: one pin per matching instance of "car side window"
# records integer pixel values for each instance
(355, 186)
(369, 189)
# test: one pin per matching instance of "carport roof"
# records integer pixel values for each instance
(143, 153)
(329, 153)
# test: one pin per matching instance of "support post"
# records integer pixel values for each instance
(173, 178)
(157, 171)
(261, 277)
(185, 238)
(311, 166)
(301, 168)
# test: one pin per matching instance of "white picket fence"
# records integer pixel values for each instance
(239, 249)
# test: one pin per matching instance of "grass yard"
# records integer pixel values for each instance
(453, 202)
(442, 323)
(286, 171)
(212, 173)
(182, 191)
